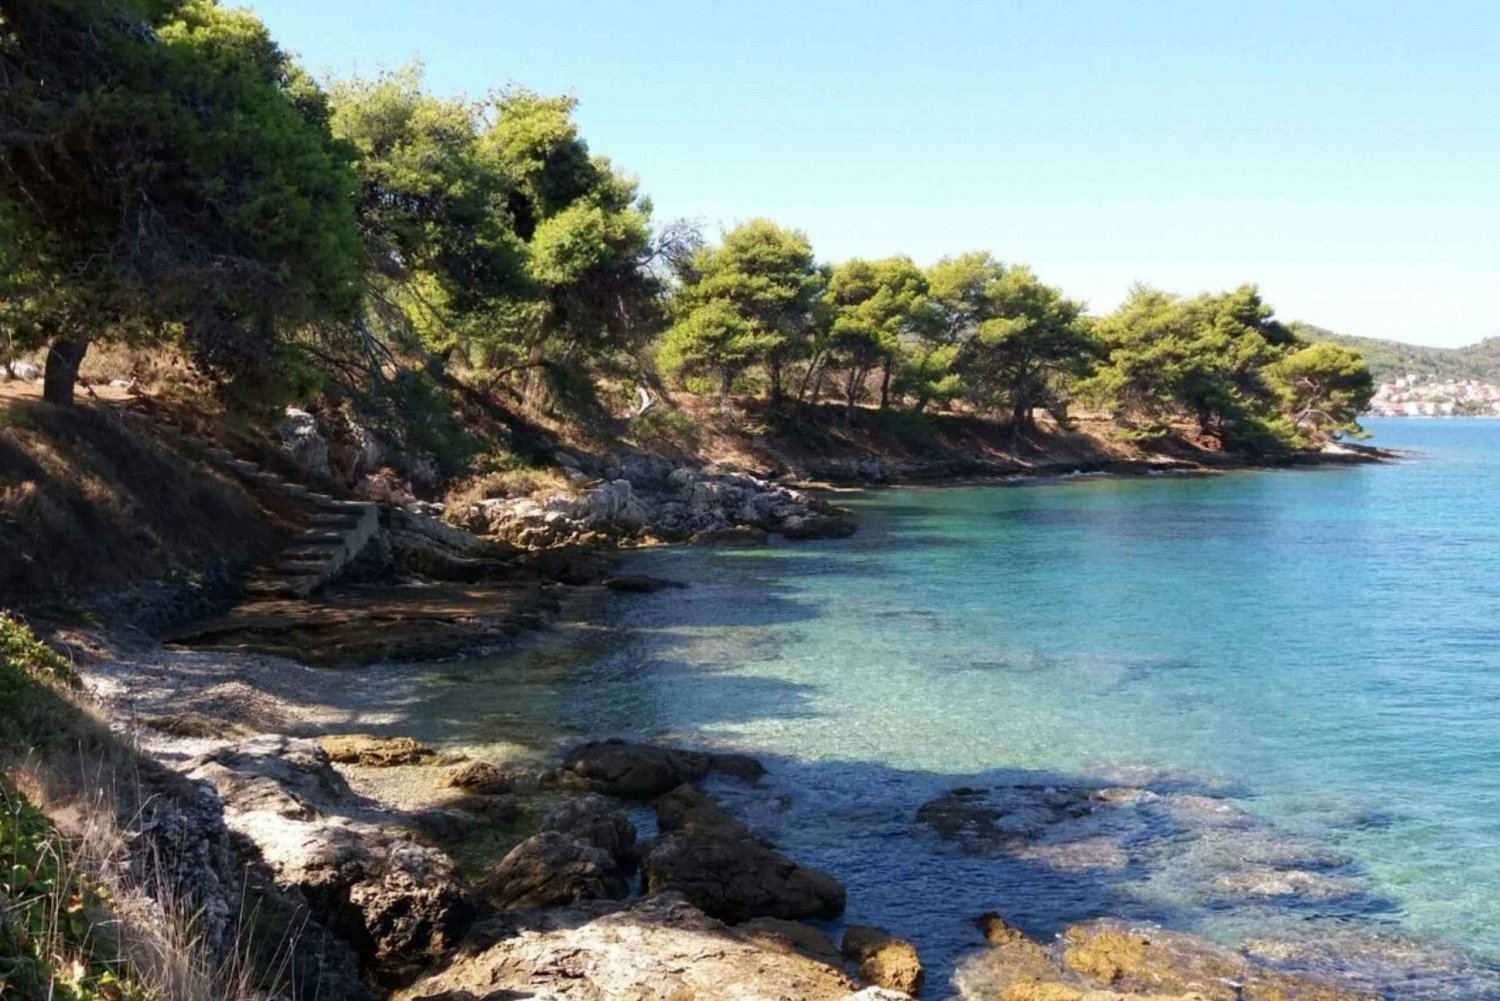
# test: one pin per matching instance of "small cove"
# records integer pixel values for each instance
(1315, 650)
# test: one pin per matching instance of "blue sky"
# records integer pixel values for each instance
(1346, 157)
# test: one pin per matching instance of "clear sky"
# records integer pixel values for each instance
(1345, 156)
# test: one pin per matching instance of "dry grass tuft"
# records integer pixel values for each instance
(88, 911)
(523, 481)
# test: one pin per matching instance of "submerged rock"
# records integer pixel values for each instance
(735, 535)
(641, 584)
(643, 770)
(817, 526)
(716, 863)
(790, 936)
(1107, 960)
(1296, 884)
(481, 778)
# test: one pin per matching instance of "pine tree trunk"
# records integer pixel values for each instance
(64, 357)
(885, 384)
(1020, 418)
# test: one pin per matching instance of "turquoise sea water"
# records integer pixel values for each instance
(1321, 647)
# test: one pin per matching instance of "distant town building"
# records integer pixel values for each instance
(1427, 396)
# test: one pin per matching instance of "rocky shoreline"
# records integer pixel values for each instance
(605, 869)
(599, 869)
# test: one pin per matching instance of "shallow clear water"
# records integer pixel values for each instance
(1322, 645)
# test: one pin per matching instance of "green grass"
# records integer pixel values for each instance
(32, 675)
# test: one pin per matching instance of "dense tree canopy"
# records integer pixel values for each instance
(168, 173)
(166, 169)
(762, 276)
(876, 307)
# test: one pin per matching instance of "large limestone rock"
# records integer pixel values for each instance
(660, 949)
(374, 752)
(615, 505)
(645, 497)
(394, 899)
(713, 861)
(598, 822)
(884, 960)
(305, 442)
(644, 770)
(551, 868)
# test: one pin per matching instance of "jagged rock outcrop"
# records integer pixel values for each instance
(660, 949)
(618, 768)
(713, 861)
(395, 900)
(424, 545)
(671, 504)
(305, 442)
(598, 822)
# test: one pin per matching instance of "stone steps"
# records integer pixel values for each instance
(336, 530)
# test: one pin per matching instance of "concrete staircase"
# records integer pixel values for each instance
(335, 531)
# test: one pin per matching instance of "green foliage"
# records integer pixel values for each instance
(49, 912)
(443, 262)
(23, 654)
(661, 424)
(49, 941)
(167, 167)
(714, 337)
(1390, 360)
(169, 174)
(31, 675)
(424, 419)
(1226, 362)
(587, 230)
(494, 238)
(1324, 388)
(751, 298)
(875, 307)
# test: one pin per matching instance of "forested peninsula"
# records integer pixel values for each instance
(303, 377)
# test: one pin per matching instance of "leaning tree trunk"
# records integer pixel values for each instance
(64, 357)
(851, 389)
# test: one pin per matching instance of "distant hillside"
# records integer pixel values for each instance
(1391, 359)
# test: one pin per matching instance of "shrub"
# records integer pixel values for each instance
(49, 946)
(661, 424)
